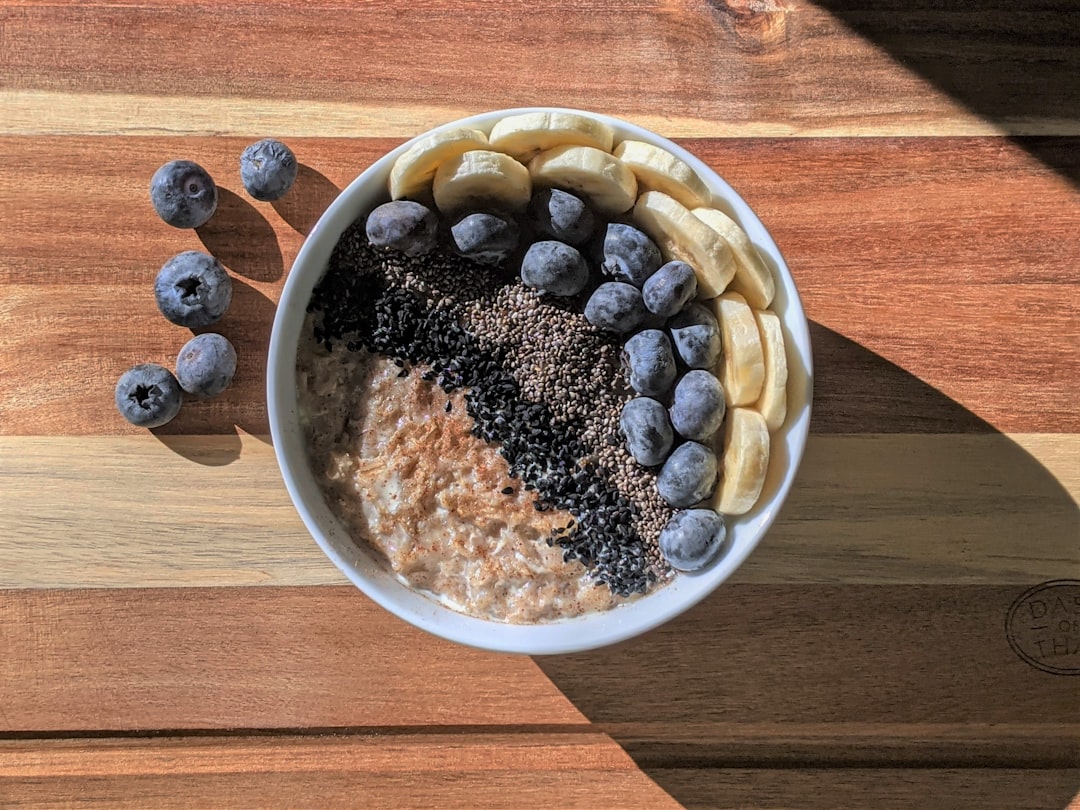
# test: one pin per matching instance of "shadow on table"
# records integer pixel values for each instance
(815, 653)
(1012, 64)
(307, 200)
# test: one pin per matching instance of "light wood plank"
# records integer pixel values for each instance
(872, 509)
(408, 770)
(752, 69)
(835, 666)
(899, 248)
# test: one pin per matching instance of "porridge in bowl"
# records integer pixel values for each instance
(540, 378)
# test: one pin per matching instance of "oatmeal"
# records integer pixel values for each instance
(402, 471)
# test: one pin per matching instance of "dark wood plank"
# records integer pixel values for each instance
(900, 247)
(812, 657)
(407, 770)
(882, 789)
(785, 67)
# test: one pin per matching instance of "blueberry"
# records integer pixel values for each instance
(697, 336)
(268, 169)
(697, 409)
(669, 289)
(560, 215)
(644, 423)
(652, 366)
(688, 476)
(206, 365)
(692, 538)
(192, 289)
(554, 267)
(629, 255)
(403, 225)
(183, 194)
(485, 237)
(615, 306)
(148, 395)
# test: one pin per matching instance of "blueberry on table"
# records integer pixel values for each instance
(615, 306)
(669, 289)
(692, 538)
(648, 357)
(184, 194)
(560, 215)
(206, 365)
(696, 335)
(688, 476)
(644, 422)
(268, 169)
(485, 238)
(192, 289)
(698, 406)
(554, 267)
(148, 395)
(630, 255)
(403, 225)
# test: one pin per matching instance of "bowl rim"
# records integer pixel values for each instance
(577, 634)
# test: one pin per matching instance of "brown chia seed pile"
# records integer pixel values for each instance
(540, 381)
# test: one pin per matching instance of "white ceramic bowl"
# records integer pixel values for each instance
(570, 635)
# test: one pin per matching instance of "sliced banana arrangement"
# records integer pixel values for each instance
(711, 379)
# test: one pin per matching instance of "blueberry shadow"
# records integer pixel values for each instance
(242, 405)
(307, 200)
(703, 703)
(1005, 62)
(242, 239)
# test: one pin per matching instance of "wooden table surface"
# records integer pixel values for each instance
(169, 634)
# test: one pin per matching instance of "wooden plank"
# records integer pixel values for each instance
(887, 289)
(943, 509)
(831, 664)
(750, 69)
(248, 658)
(408, 770)
(882, 789)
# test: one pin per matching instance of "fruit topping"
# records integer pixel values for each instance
(615, 306)
(485, 238)
(645, 424)
(688, 477)
(554, 267)
(696, 336)
(650, 362)
(669, 289)
(629, 255)
(558, 214)
(404, 225)
(692, 538)
(697, 407)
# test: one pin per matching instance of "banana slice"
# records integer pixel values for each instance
(415, 168)
(659, 170)
(742, 364)
(479, 179)
(523, 136)
(680, 235)
(752, 280)
(745, 462)
(598, 176)
(772, 404)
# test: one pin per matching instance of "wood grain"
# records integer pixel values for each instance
(964, 243)
(811, 75)
(832, 665)
(868, 508)
(378, 771)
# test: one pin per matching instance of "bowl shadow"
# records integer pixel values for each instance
(714, 689)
